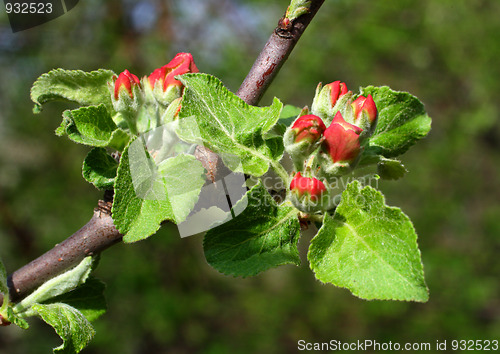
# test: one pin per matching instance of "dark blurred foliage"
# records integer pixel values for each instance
(163, 297)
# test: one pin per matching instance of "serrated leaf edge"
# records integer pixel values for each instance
(380, 196)
(288, 216)
(41, 78)
(421, 133)
(243, 105)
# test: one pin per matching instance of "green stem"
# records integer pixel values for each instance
(315, 217)
(5, 304)
(280, 171)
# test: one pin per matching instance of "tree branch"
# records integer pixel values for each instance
(100, 233)
(273, 55)
(95, 236)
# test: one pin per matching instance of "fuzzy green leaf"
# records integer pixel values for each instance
(88, 298)
(297, 8)
(369, 248)
(17, 320)
(84, 88)
(93, 126)
(402, 121)
(99, 168)
(263, 236)
(391, 169)
(147, 194)
(56, 286)
(69, 323)
(288, 114)
(213, 116)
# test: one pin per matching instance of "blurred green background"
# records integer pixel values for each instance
(162, 296)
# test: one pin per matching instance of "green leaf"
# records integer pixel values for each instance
(69, 323)
(56, 286)
(15, 319)
(288, 114)
(226, 124)
(88, 298)
(402, 121)
(99, 168)
(93, 126)
(4, 288)
(147, 194)
(369, 248)
(263, 236)
(84, 88)
(297, 8)
(391, 169)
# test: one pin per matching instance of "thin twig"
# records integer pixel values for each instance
(273, 56)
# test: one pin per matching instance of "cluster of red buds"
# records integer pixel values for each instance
(155, 95)
(327, 143)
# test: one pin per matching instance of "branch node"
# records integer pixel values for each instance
(103, 207)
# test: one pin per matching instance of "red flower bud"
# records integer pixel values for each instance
(337, 90)
(342, 140)
(126, 81)
(308, 127)
(311, 187)
(364, 105)
(330, 99)
(181, 64)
